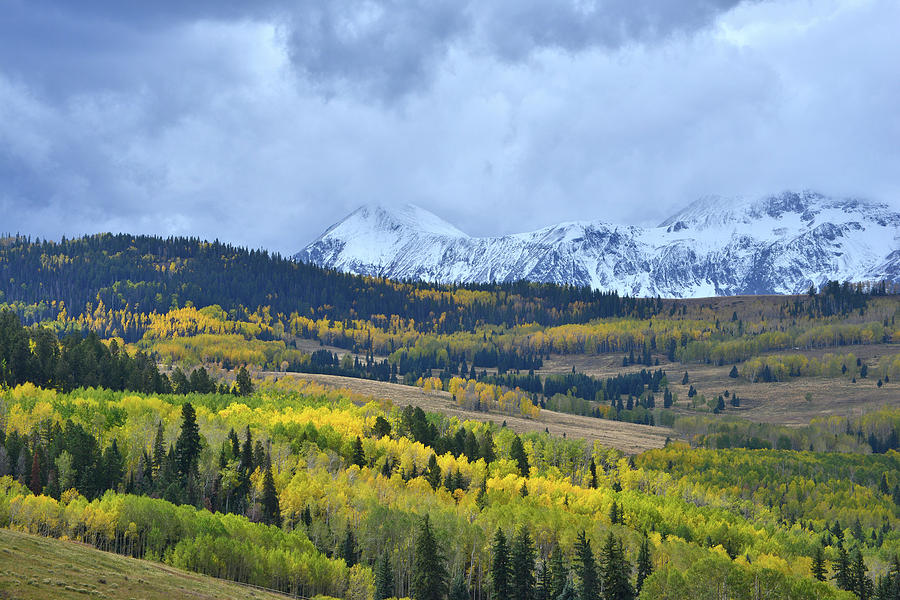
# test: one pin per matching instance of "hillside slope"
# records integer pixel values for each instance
(34, 567)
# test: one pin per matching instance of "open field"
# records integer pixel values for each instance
(779, 402)
(38, 568)
(627, 437)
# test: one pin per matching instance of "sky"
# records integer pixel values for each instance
(262, 123)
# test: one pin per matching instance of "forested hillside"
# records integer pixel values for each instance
(146, 409)
(308, 491)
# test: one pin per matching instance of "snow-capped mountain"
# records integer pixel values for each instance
(774, 245)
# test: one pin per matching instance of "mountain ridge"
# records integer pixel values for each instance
(714, 246)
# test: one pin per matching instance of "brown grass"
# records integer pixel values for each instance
(627, 437)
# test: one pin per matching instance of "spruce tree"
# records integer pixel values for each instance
(517, 453)
(644, 565)
(559, 574)
(615, 571)
(429, 578)
(500, 568)
(348, 548)
(384, 578)
(243, 383)
(458, 589)
(486, 447)
(481, 498)
(159, 450)
(842, 576)
(586, 569)
(359, 455)
(818, 564)
(521, 560)
(271, 507)
(433, 475)
(542, 582)
(187, 447)
(593, 471)
(860, 584)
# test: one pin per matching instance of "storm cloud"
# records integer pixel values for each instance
(262, 123)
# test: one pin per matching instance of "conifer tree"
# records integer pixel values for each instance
(842, 576)
(542, 582)
(271, 507)
(616, 571)
(243, 383)
(159, 449)
(458, 589)
(486, 447)
(359, 455)
(429, 578)
(384, 578)
(586, 569)
(559, 574)
(348, 548)
(860, 584)
(500, 568)
(481, 498)
(517, 453)
(818, 564)
(644, 565)
(187, 447)
(433, 475)
(521, 559)
(593, 471)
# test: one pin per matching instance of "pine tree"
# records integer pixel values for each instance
(860, 584)
(481, 498)
(517, 453)
(187, 447)
(542, 582)
(559, 574)
(458, 589)
(644, 565)
(486, 447)
(243, 383)
(359, 455)
(271, 507)
(429, 578)
(521, 560)
(614, 513)
(842, 575)
(159, 449)
(586, 569)
(348, 548)
(818, 564)
(685, 380)
(593, 471)
(615, 571)
(500, 568)
(433, 476)
(384, 578)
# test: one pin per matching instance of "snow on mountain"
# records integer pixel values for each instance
(778, 244)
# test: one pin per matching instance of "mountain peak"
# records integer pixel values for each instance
(781, 243)
(393, 218)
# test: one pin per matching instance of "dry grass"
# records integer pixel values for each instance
(782, 403)
(627, 437)
(38, 568)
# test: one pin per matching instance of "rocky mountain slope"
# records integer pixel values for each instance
(778, 244)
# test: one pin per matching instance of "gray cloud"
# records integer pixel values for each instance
(263, 126)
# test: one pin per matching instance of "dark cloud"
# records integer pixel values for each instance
(264, 122)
